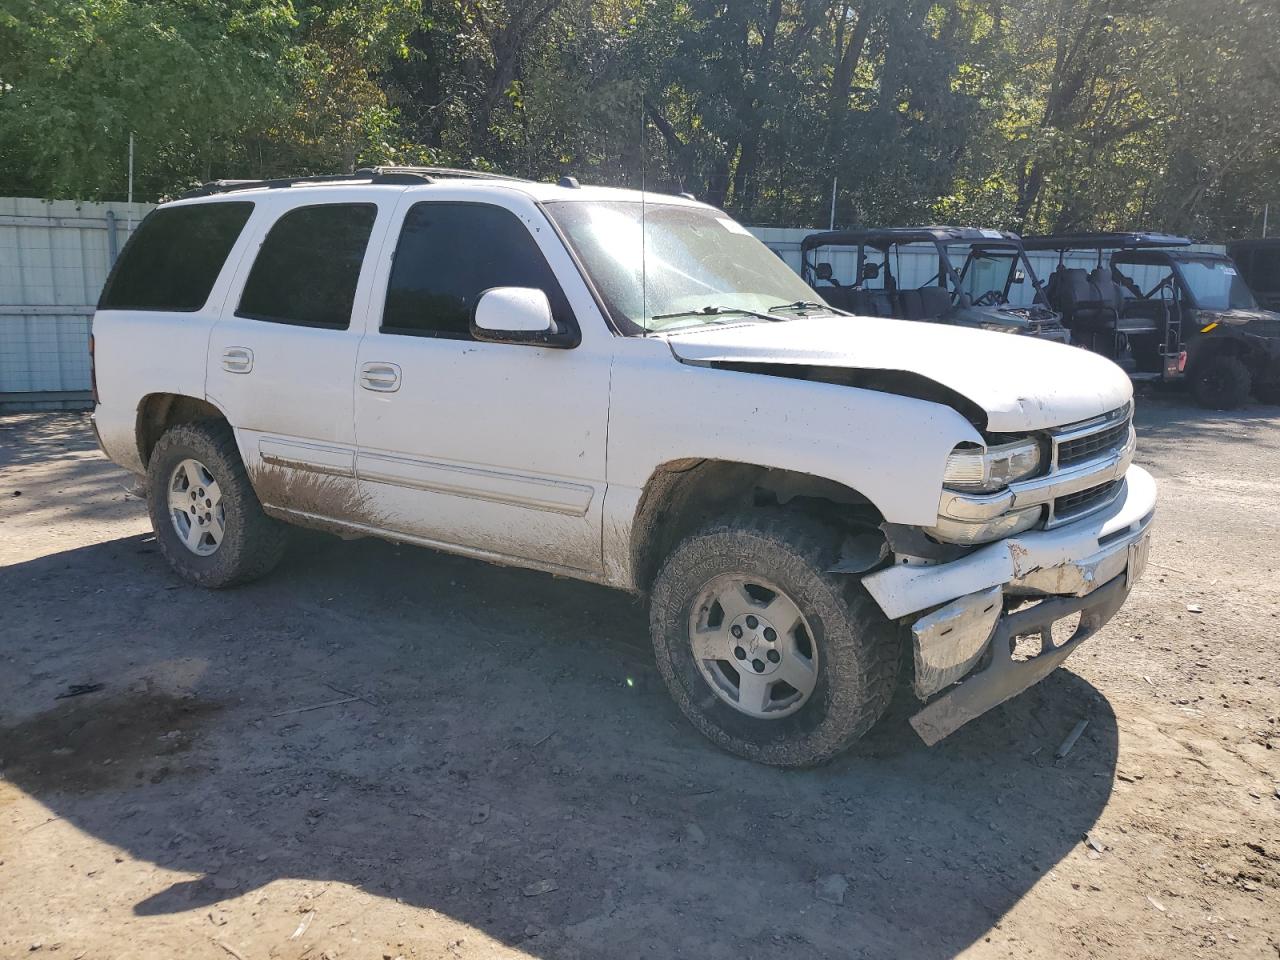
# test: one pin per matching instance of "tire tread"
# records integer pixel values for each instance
(865, 693)
(263, 541)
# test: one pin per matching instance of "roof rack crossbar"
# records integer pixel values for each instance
(275, 183)
(441, 172)
(406, 176)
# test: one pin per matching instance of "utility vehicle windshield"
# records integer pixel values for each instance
(995, 275)
(1216, 285)
(698, 266)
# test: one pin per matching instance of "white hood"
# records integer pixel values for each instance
(1022, 383)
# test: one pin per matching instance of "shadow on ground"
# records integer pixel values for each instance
(514, 762)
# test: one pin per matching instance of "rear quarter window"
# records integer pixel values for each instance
(173, 259)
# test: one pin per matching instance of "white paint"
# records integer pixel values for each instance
(663, 410)
(514, 309)
(1023, 383)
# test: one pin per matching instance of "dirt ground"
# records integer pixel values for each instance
(493, 769)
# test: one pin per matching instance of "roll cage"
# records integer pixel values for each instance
(950, 293)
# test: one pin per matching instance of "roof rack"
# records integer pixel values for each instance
(404, 176)
(430, 173)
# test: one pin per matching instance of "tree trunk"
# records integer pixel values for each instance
(842, 79)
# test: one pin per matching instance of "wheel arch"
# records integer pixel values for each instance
(157, 412)
(681, 495)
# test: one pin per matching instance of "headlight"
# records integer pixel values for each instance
(985, 470)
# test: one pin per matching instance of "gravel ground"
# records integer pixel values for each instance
(385, 752)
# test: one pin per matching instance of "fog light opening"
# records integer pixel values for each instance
(1026, 647)
(1063, 630)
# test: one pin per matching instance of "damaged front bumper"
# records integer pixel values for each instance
(965, 628)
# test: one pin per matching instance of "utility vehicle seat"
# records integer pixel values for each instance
(1081, 302)
(926, 303)
(1106, 291)
(1111, 295)
(881, 303)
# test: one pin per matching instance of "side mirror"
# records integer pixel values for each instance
(824, 271)
(870, 271)
(518, 315)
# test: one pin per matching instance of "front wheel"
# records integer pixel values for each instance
(766, 653)
(207, 519)
(1221, 382)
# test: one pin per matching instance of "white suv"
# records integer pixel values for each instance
(632, 390)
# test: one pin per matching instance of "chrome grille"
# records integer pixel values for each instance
(1065, 508)
(1077, 448)
(1085, 474)
(1093, 445)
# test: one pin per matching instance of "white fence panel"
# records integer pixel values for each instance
(54, 259)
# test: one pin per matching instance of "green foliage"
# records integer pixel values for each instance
(77, 76)
(1044, 114)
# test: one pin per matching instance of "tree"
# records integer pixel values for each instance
(1039, 115)
(78, 76)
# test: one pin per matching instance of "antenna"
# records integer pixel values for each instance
(644, 276)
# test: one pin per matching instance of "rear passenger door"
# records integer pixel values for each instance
(282, 357)
(494, 448)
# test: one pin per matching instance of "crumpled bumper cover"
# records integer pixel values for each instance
(1086, 567)
(1005, 677)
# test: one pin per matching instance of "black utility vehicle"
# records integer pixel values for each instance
(1259, 262)
(994, 287)
(1165, 311)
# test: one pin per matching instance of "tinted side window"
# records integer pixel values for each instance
(450, 253)
(174, 257)
(308, 267)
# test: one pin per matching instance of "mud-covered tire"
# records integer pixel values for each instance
(1221, 382)
(858, 647)
(252, 543)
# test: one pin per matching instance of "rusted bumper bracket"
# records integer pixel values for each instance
(1005, 677)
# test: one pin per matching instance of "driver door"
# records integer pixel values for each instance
(492, 449)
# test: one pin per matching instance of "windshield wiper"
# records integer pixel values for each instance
(801, 305)
(713, 311)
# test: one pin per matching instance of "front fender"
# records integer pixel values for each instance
(890, 449)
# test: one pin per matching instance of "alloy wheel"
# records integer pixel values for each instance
(195, 507)
(753, 646)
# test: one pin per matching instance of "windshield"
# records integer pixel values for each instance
(694, 259)
(1215, 285)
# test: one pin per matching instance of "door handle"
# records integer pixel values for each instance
(380, 377)
(237, 359)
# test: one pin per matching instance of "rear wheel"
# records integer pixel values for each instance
(207, 519)
(768, 654)
(1221, 382)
